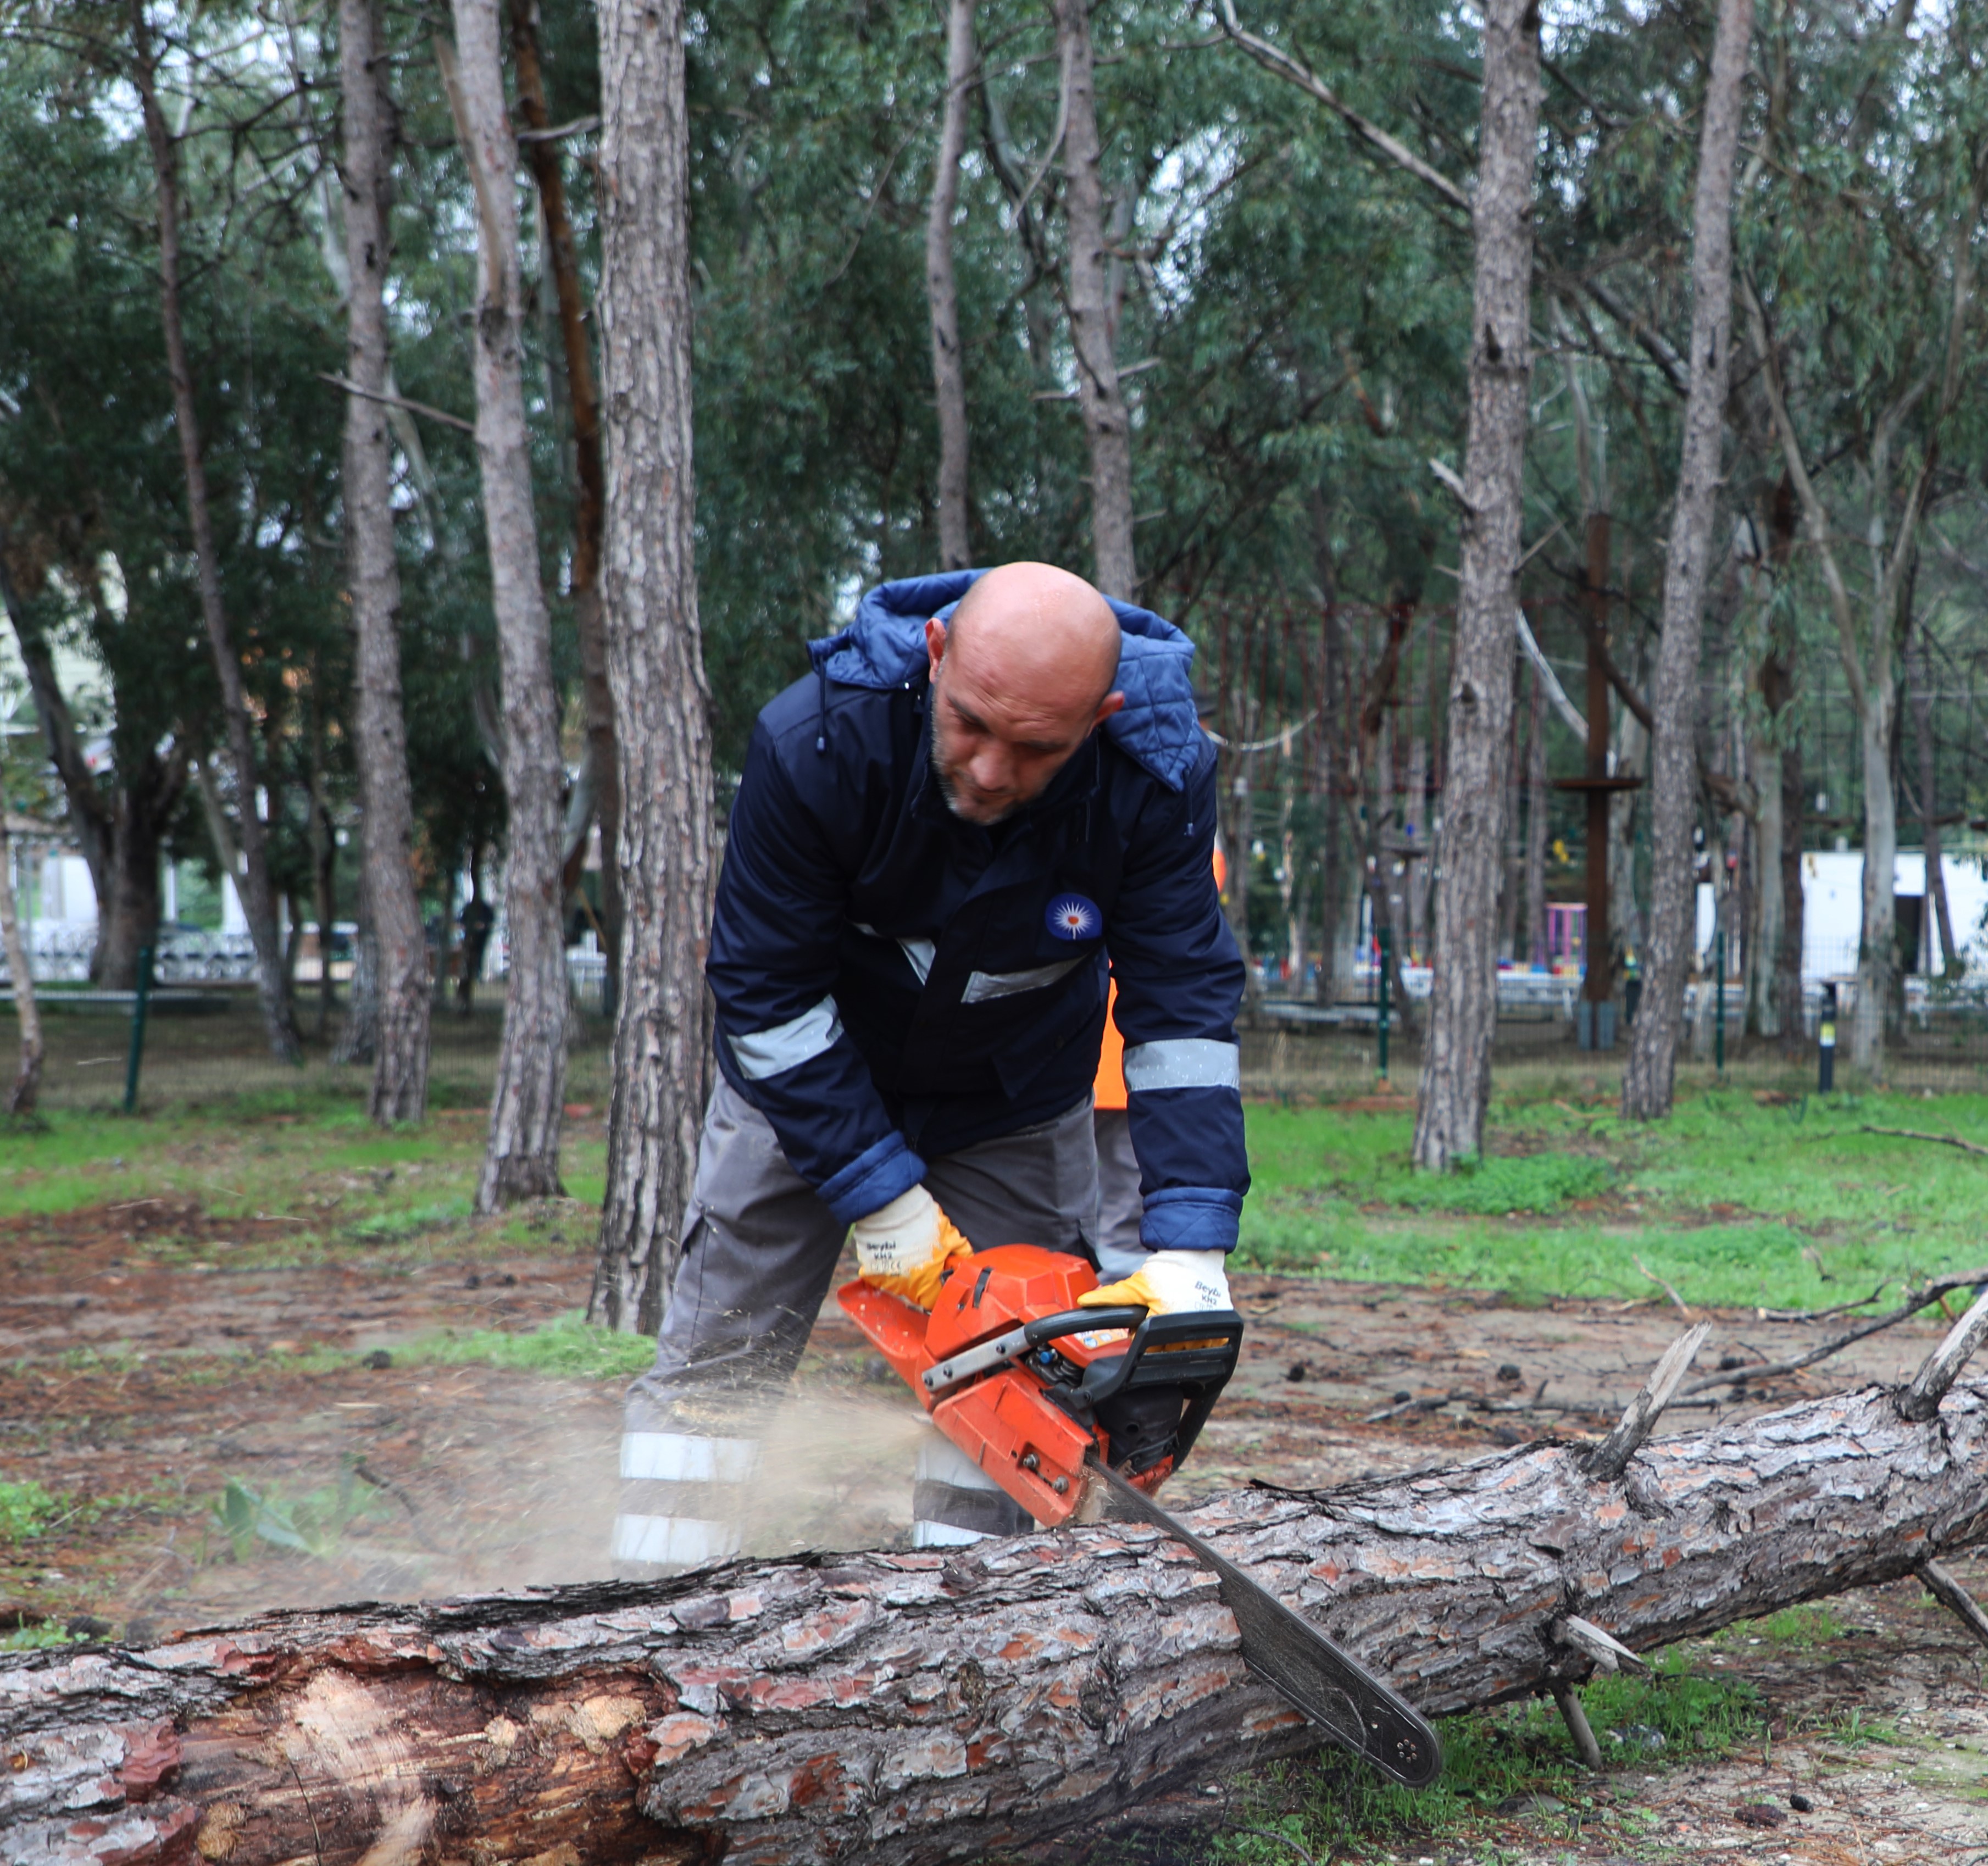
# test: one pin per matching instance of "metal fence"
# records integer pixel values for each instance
(203, 1044)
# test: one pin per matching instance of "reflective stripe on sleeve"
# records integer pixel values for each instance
(674, 1541)
(681, 1457)
(787, 1045)
(1183, 1063)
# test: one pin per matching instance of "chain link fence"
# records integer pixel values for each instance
(203, 1044)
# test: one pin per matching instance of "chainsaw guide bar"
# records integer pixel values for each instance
(1065, 1408)
(1332, 1688)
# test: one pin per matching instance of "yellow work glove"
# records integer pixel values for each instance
(1170, 1282)
(905, 1248)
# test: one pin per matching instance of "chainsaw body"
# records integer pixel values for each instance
(1064, 1407)
(1031, 1387)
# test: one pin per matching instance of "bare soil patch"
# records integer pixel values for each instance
(150, 1358)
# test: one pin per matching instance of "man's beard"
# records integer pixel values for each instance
(948, 790)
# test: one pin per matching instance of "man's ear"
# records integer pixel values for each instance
(936, 644)
(1107, 706)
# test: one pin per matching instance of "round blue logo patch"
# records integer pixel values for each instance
(1072, 917)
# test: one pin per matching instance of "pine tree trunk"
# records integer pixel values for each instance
(1093, 326)
(520, 1159)
(1650, 1071)
(905, 1709)
(1951, 964)
(1788, 997)
(1538, 798)
(128, 911)
(1463, 1005)
(89, 814)
(400, 1051)
(962, 61)
(1512, 874)
(655, 662)
(1764, 933)
(359, 1036)
(598, 701)
(28, 1077)
(259, 900)
(1879, 978)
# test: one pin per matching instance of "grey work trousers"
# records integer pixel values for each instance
(760, 1252)
(1122, 1206)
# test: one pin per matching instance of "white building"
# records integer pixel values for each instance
(1833, 910)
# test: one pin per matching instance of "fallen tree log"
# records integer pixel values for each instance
(917, 1707)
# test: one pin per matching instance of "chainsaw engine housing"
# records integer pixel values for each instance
(1026, 1384)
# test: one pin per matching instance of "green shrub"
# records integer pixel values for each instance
(25, 1510)
(1536, 1182)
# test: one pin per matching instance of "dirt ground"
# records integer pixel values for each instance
(141, 1382)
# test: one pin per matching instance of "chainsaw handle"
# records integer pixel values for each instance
(1199, 1347)
(1046, 1328)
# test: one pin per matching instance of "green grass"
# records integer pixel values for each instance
(566, 1346)
(1800, 1627)
(25, 1510)
(1333, 1806)
(1731, 1202)
(307, 1157)
(38, 1638)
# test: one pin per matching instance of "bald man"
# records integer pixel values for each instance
(989, 798)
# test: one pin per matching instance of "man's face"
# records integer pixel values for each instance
(998, 739)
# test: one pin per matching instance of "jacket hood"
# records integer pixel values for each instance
(1156, 728)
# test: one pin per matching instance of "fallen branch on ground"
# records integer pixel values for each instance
(1944, 1140)
(913, 1707)
(1923, 1297)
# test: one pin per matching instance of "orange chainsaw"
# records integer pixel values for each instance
(1082, 1414)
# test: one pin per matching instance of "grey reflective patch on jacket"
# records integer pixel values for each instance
(982, 986)
(787, 1045)
(1183, 1063)
(918, 953)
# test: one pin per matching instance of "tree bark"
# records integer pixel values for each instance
(128, 908)
(520, 1159)
(597, 699)
(401, 1048)
(1773, 749)
(89, 815)
(917, 1707)
(655, 663)
(1789, 1007)
(359, 1036)
(1537, 799)
(28, 1076)
(1463, 1005)
(1512, 876)
(1094, 327)
(962, 60)
(1650, 1072)
(259, 900)
(1951, 963)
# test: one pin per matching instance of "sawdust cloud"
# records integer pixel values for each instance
(528, 1499)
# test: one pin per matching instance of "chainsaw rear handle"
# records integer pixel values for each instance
(1196, 1348)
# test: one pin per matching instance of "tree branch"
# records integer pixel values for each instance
(397, 401)
(1295, 72)
(1815, 516)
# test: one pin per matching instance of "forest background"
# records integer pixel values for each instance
(1236, 248)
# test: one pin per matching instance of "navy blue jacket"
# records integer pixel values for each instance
(892, 981)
